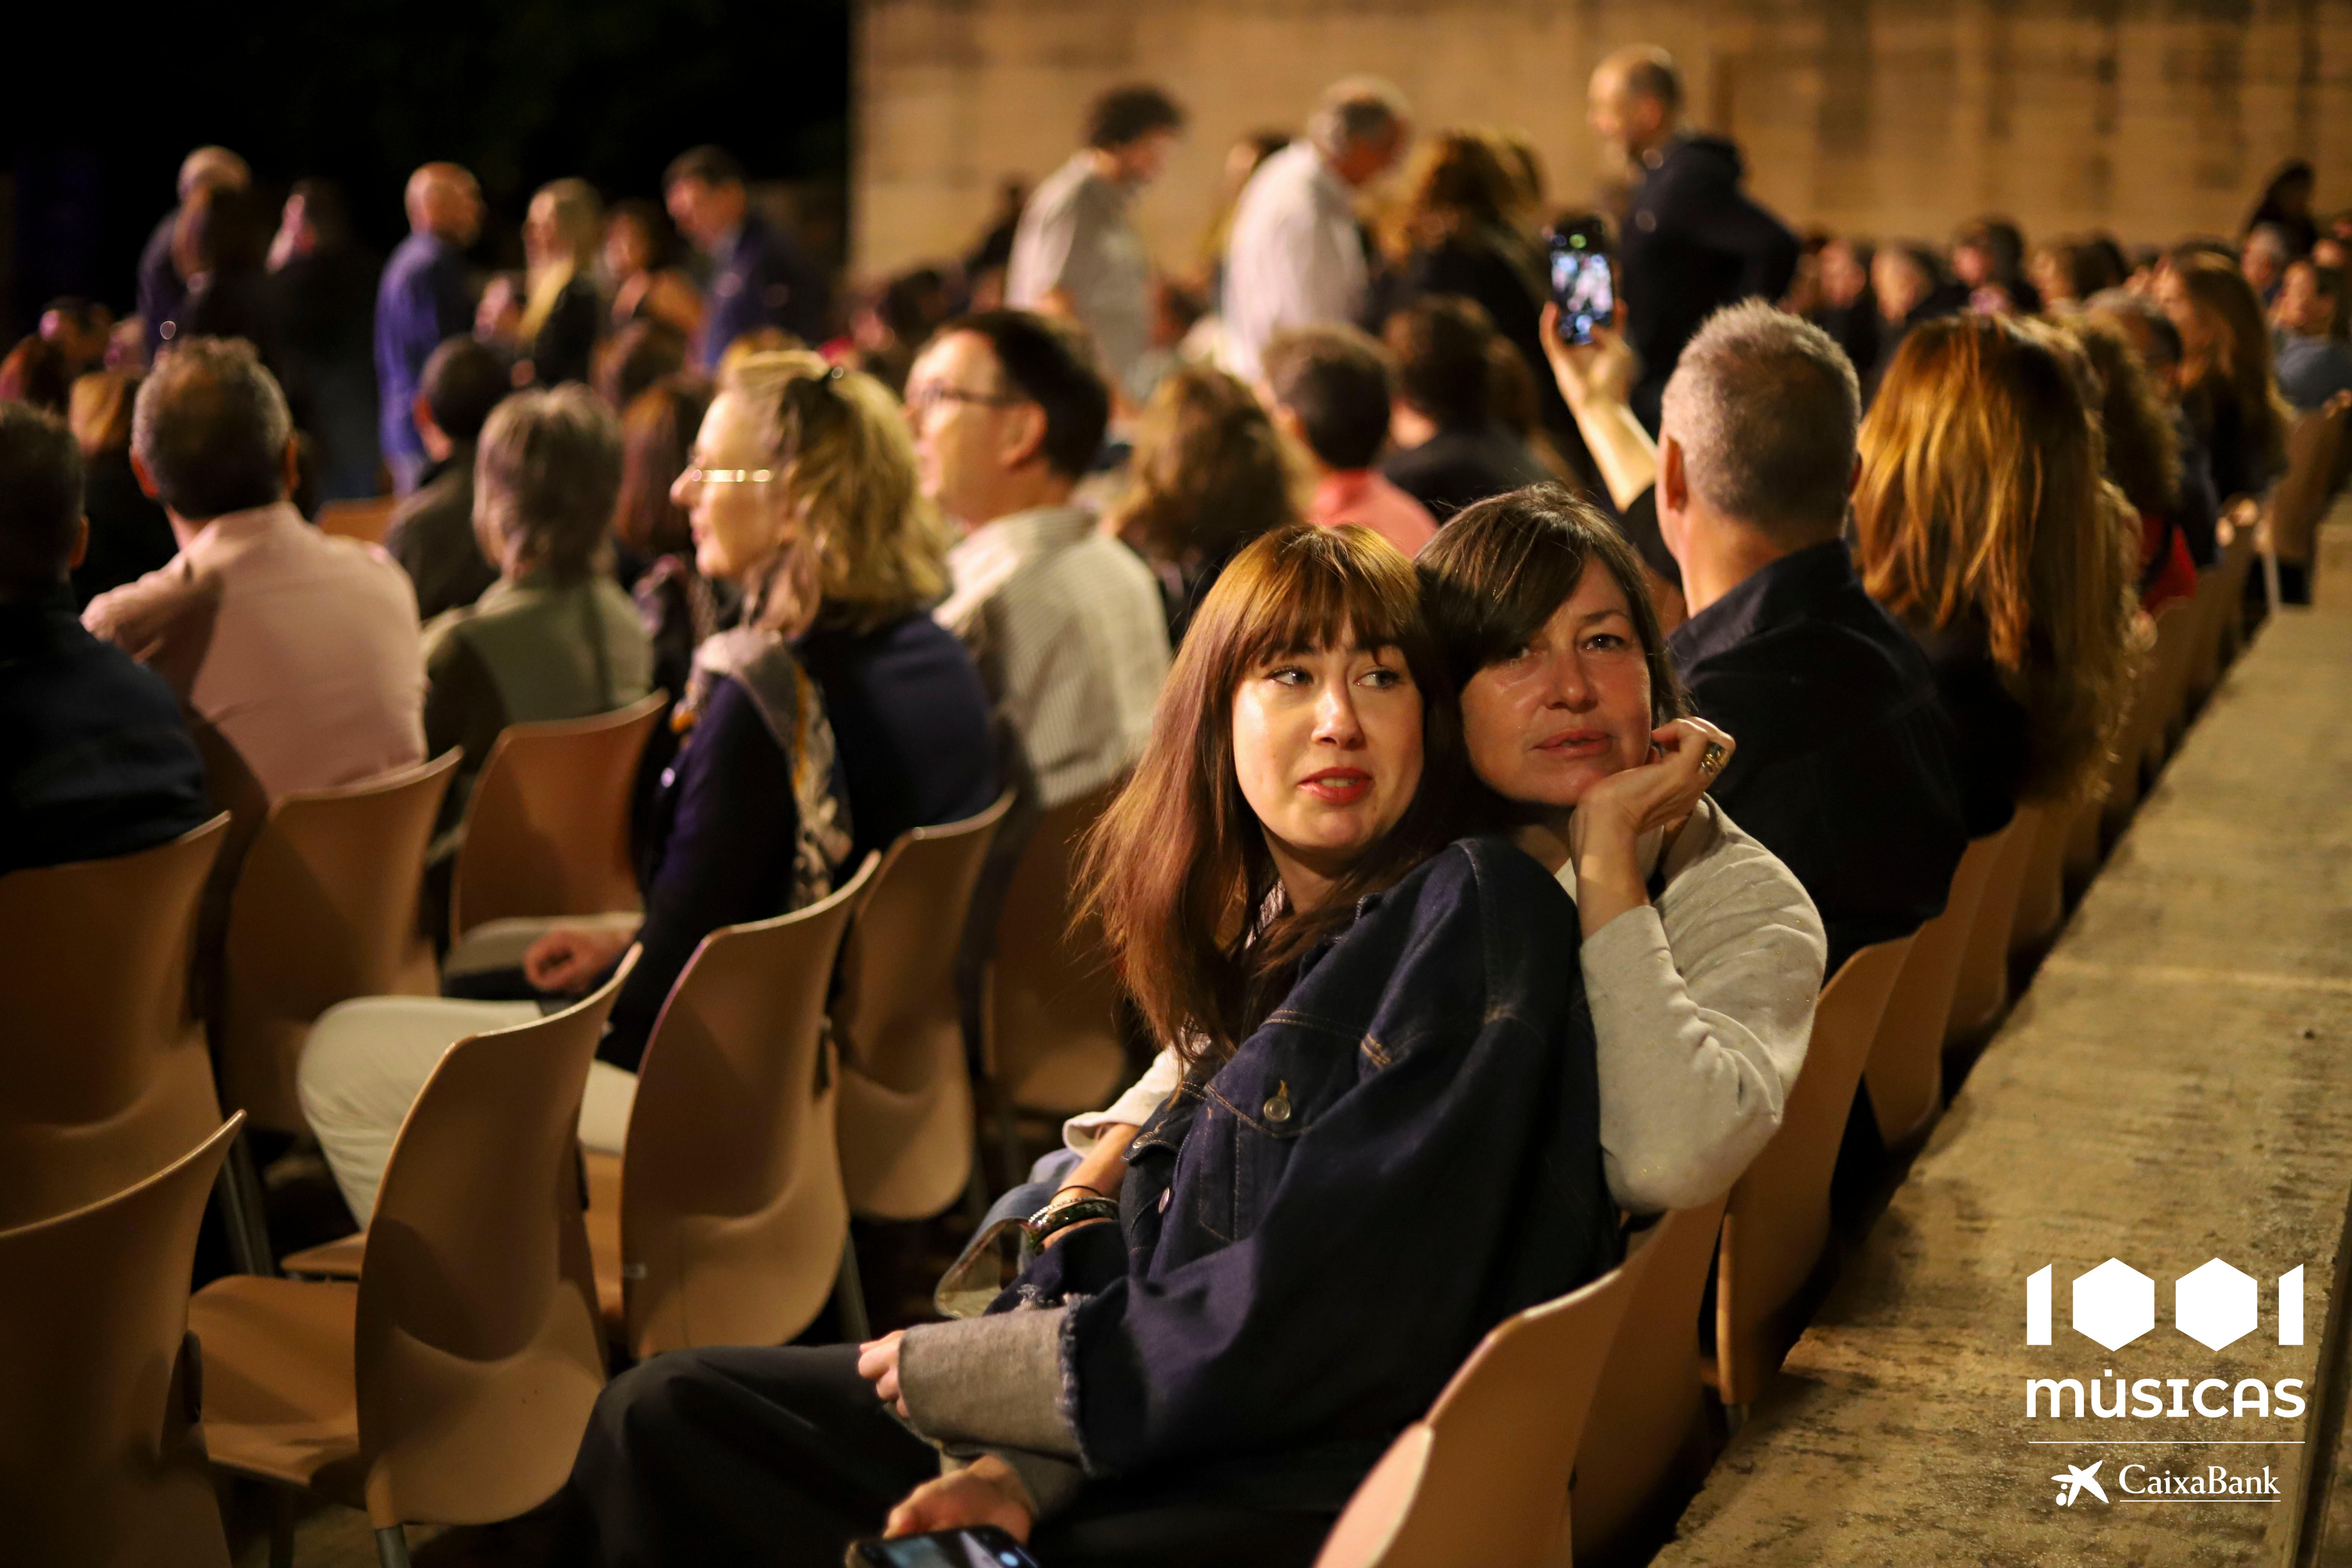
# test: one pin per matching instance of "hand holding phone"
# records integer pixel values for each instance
(1583, 285)
(979, 1546)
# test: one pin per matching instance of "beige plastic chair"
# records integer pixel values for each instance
(451, 1385)
(1483, 1478)
(2291, 516)
(325, 910)
(2238, 553)
(732, 1228)
(1777, 1225)
(1050, 1012)
(1981, 995)
(905, 1105)
(101, 1459)
(2162, 725)
(547, 827)
(366, 520)
(1645, 1445)
(107, 1079)
(1904, 1074)
(2041, 890)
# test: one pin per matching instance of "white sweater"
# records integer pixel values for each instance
(1701, 1005)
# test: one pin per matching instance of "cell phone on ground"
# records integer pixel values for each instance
(979, 1546)
(1581, 283)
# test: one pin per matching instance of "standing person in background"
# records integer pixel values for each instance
(325, 286)
(1693, 241)
(1076, 254)
(562, 314)
(640, 272)
(424, 299)
(220, 248)
(432, 532)
(758, 277)
(2286, 202)
(1298, 254)
(1330, 388)
(161, 287)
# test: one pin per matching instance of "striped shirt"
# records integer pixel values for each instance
(1067, 628)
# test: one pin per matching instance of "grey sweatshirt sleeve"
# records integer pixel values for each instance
(994, 1383)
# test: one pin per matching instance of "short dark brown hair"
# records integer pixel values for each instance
(1337, 381)
(463, 381)
(710, 165)
(40, 500)
(1126, 114)
(1440, 343)
(1048, 364)
(211, 429)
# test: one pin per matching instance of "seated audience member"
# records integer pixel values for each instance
(1209, 475)
(1511, 394)
(681, 607)
(1844, 768)
(1988, 261)
(2142, 457)
(746, 819)
(1330, 389)
(128, 534)
(1206, 1436)
(635, 357)
(79, 328)
(639, 262)
(300, 650)
(1450, 450)
(37, 371)
(555, 637)
(99, 760)
(1066, 624)
(2197, 511)
(2264, 258)
(2308, 331)
(432, 532)
(1983, 524)
(562, 314)
(1911, 288)
(2285, 205)
(1848, 311)
(2227, 384)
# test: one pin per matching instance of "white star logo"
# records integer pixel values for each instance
(2078, 1480)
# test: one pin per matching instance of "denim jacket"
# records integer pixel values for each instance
(1319, 1231)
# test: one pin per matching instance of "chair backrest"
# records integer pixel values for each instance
(325, 910)
(2296, 507)
(1483, 1477)
(2042, 887)
(1051, 1018)
(906, 1111)
(106, 1072)
(479, 1352)
(1982, 991)
(365, 520)
(1904, 1074)
(2165, 679)
(733, 1213)
(547, 827)
(102, 1460)
(1778, 1220)
(1645, 1446)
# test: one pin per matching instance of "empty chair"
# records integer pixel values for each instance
(1645, 1449)
(1904, 1073)
(101, 1459)
(1778, 1220)
(906, 1111)
(325, 910)
(451, 1385)
(547, 832)
(1483, 1477)
(365, 521)
(107, 1076)
(1981, 995)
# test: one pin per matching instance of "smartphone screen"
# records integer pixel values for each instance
(983, 1546)
(1581, 285)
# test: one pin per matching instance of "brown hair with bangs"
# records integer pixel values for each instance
(1177, 870)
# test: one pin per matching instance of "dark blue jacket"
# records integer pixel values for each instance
(761, 280)
(1407, 1153)
(423, 297)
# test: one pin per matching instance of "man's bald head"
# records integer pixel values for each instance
(1636, 98)
(213, 169)
(444, 200)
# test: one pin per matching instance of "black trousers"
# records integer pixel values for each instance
(783, 1457)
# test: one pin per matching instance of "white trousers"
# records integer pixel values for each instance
(367, 1060)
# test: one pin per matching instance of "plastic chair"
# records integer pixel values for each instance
(905, 1105)
(1777, 1224)
(1049, 1030)
(1981, 995)
(1904, 1073)
(1645, 1444)
(325, 910)
(2164, 720)
(1483, 1477)
(366, 520)
(2042, 886)
(2292, 513)
(107, 1076)
(547, 827)
(101, 1459)
(451, 1385)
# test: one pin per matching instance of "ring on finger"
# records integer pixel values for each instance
(1711, 760)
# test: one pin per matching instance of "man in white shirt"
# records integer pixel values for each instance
(1075, 254)
(1297, 257)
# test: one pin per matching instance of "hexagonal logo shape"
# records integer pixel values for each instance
(2214, 1304)
(2113, 1304)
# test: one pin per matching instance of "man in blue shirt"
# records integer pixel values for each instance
(759, 277)
(2314, 365)
(425, 297)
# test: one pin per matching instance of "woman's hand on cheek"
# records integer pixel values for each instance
(877, 1363)
(1684, 774)
(1604, 836)
(985, 1491)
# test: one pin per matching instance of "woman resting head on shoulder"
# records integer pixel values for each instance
(1379, 1037)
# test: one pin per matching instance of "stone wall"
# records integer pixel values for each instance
(1894, 118)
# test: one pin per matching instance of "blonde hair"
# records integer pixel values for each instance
(98, 410)
(1982, 503)
(848, 464)
(580, 225)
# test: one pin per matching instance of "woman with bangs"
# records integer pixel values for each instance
(1386, 1076)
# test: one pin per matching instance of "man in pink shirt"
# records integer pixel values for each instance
(300, 650)
(1329, 388)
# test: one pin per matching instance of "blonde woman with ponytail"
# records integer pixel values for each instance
(561, 231)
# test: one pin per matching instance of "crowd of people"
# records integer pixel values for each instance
(1418, 645)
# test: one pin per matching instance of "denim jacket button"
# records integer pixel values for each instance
(1277, 1109)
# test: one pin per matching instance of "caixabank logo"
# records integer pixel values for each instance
(2215, 1305)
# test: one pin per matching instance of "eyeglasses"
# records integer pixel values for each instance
(922, 400)
(729, 476)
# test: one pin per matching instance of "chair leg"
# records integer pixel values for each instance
(243, 1216)
(849, 1296)
(392, 1547)
(281, 1528)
